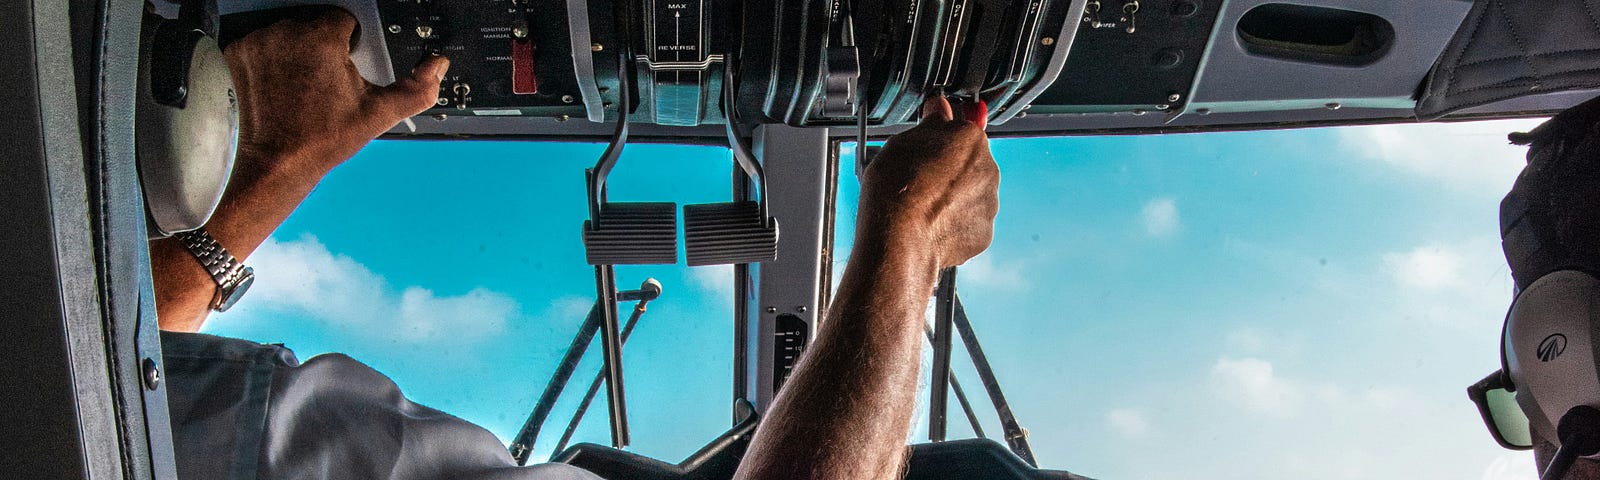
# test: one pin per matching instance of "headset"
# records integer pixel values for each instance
(1550, 348)
(187, 118)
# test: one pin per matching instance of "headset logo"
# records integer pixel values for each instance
(1551, 347)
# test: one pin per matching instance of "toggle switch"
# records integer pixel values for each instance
(523, 79)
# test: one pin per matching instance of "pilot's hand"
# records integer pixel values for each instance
(934, 187)
(301, 100)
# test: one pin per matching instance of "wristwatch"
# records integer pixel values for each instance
(232, 276)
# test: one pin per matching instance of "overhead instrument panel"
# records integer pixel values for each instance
(1133, 56)
(812, 63)
(1042, 66)
(507, 57)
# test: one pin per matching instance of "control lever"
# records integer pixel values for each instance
(622, 234)
(841, 92)
(734, 232)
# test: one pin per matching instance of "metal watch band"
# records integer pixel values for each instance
(224, 269)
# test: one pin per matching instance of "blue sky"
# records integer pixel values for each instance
(1300, 304)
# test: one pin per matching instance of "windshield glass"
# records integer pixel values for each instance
(457, 269)
(1251, 305)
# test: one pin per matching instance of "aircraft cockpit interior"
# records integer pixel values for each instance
(121, 136)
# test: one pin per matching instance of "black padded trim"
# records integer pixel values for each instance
(1509, 49)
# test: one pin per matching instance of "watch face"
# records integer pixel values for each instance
(232, 296)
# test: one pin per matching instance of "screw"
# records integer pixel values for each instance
(566, 99)
(1202, 111)
(1139, 111)
(519, 31)
(1163, 107)
(1173, 98)
(1022, 115)
(563, 118)
(1333, 106)
(772, 309)
(440, 117)
(1047, 41)
(152, 375)
(801, 309)
(1167, 58)
(442, 101)
(394, 28)
(461, 106)
(596, 47)
(424, 31)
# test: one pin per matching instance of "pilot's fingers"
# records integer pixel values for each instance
(936, 107)
(414, 93)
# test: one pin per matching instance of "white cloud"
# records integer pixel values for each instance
(1455, 285)
(1461, 155)
(1511, 466)
(1252, 381)
(1160, 217)
(1429, 267)
(302, 277)
(717, 279)
(569, 309)
(1255, 384)
(425, 316)
(982, 271)
(1128, 422)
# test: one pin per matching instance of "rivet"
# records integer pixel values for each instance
(563, 118)
(596, 47)
(1333, 106)
(152, 375)
(1047, 41)
(772, 309)
(1163, 107)
(424, 31)
(440, 117)
(1140, 111)
(394, 28)
(566, 99)
(801, 309)
(1202, 111)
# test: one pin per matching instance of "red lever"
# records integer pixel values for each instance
(523, 79)
(975, 111)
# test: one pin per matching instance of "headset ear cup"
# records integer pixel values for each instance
(1550, 348)
(186, 148)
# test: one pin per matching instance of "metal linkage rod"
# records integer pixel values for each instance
(1015, 436)
(938, 393)
(961, 393)
(522, 445)
(594, 387)
(611, 350)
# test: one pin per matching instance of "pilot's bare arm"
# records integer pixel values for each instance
(927, 202)
(303, 110)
